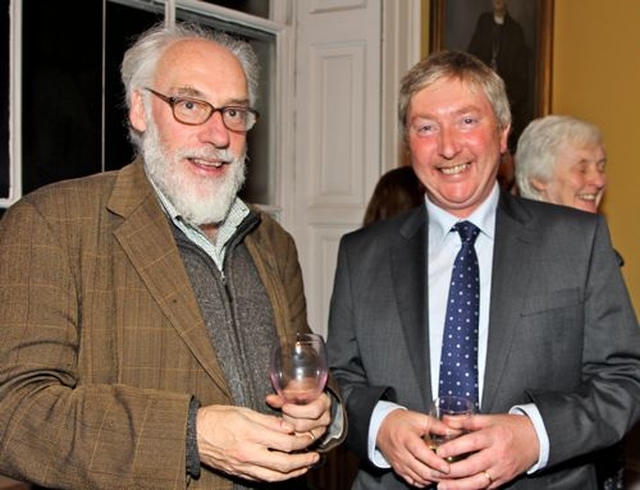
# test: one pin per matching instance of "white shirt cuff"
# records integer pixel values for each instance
(381, 410)
(531, 411)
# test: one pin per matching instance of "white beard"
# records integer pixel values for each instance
(198, 200)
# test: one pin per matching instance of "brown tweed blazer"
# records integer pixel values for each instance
(102, 343)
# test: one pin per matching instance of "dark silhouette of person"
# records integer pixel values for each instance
(398, 190)
(499, 41)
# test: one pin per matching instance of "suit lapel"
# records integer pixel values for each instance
(409, 272)
(515, 237)
(144, 235)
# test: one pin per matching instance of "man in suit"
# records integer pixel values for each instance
(138, 307)
(557, 354)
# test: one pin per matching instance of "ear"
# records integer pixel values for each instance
(539, 185)
(504, 139)
(137, 115)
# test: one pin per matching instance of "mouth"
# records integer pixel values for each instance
(201, 162)
(588, 197)
(456, 169)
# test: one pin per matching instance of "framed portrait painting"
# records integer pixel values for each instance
(514, 37)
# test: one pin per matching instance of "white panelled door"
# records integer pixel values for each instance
(337, 148)
(346, 72)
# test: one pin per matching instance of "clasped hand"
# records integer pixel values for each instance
(258, 447)
(499, 447)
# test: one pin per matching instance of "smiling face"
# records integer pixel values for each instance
(455, 144)
(578, 179)
(199, 168)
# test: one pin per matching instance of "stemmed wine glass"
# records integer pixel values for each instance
(299, 368)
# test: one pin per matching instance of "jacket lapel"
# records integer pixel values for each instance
(144, 235)
(409, 272)
(515, 237)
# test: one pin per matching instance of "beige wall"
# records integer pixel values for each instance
(596, 75)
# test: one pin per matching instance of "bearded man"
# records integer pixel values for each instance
(139, 307)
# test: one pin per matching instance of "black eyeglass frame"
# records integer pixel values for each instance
(251, 118)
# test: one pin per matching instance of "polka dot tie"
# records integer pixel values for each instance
(459, 360)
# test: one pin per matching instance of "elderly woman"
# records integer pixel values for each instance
(561, 159)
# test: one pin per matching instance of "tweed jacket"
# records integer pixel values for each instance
(102, 343)
(562, 333)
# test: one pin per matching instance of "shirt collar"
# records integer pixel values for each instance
(484, 217)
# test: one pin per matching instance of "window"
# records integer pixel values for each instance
(61, 68)
(72, 102)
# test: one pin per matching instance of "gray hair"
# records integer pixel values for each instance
(455, 65)
(141, 59)
(541, 142)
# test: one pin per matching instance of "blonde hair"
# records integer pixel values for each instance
(454, 65)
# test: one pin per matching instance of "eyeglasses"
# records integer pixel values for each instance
(194, 112)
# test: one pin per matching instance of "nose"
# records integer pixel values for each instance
(215, 132)
(448, 144)
(596, 177)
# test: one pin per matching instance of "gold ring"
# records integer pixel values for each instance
(486, 474)
(313, 438)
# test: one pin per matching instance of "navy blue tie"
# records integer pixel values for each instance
(459, 360)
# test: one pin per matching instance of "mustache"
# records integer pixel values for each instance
(224, 155)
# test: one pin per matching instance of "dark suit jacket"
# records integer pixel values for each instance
(102, 343)
(562, 333)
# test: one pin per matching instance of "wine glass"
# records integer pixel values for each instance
(299, 368)
(447, 409)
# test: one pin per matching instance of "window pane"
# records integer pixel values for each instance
(259, 8)
(67, 126)
(61, 95)
(123, 24)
